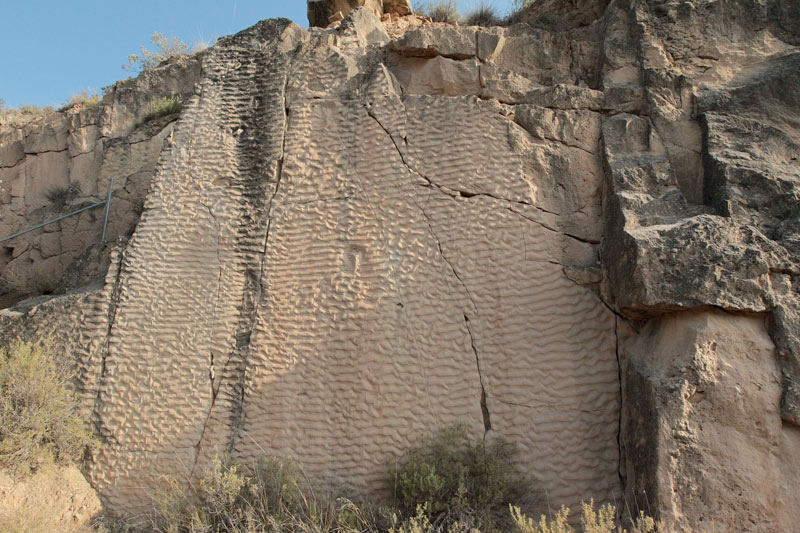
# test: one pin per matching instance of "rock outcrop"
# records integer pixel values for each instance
(579, 233)
(322, 13)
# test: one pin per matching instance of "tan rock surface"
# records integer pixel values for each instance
(708, 392)
(356, 235)
(56, 498)
(321, 13)
(353, 271)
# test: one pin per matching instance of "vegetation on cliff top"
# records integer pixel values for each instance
(481, 14)
(164, 49)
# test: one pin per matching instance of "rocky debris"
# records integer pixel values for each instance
(579, 232)
(322, 13)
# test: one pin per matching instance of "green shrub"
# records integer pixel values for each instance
(164, 49)
(482, 15)
(40, 419)
(450, 484)
(439, 11)
(460, 481)
(166, 105)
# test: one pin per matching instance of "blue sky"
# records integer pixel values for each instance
(50, 50)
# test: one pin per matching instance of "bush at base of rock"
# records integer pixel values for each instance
(40, 419)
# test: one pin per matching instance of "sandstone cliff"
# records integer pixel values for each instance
(579, 232)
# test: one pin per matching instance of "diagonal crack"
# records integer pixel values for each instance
(447, 190)
(487, 423)
(454, 193)
(422, 210)
(111, 318)
(467, 194)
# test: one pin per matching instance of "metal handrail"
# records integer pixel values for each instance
(106, 202)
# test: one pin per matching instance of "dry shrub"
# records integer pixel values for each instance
(602, 520)
(164, 49)
(82, 99)
(271, 495)
(482, 15)
(450, 484)
(439, 11)
(41, 421)
(60, 195)
(458, 481)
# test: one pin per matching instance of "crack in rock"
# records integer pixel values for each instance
(487, 422)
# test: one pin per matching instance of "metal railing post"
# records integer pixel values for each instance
(108, 206)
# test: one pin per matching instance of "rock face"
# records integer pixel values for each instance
(65, 162)
(707, 393)
(580, 235)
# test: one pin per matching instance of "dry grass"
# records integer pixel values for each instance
(81, 100)
(517, 10)
(271, 495)
(24, 114)
(593, 520)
